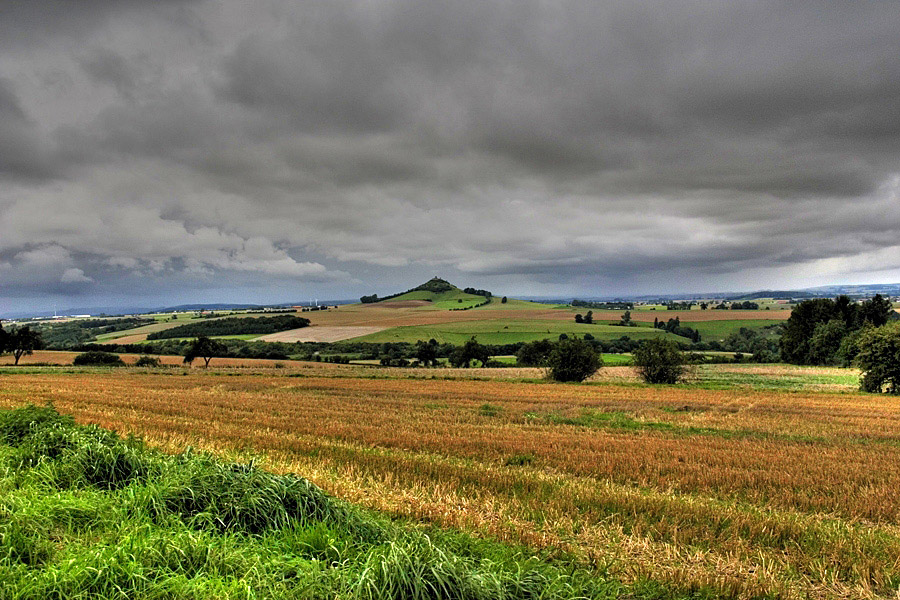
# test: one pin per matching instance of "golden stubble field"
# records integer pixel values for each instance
(748, 491)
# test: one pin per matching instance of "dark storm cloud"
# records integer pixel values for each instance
(23, 152)
(572, 146)
(107, 67)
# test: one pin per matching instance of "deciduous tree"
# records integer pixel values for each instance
(572, 360)
(23, 341)
(659, 360)
(205, 348)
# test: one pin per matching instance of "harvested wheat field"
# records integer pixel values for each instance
(736, 484)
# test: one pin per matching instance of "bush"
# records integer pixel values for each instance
(878, 358)
(659, 360)
(17, 425)
(534, 354)
(98, 358)
(572, 360)
(147, 361)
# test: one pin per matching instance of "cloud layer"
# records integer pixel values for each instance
(281, 149)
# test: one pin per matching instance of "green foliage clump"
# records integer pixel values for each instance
(659, 360)
(814, 332)
(147, 361)
(471, 350)
(427, 352)
(98, 359)
(826, 341)
(572, 360)
(435, 284)
(878, 358)
(761, 345)
(675, 326)
(534, 354)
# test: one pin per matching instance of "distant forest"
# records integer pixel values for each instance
(232, 326)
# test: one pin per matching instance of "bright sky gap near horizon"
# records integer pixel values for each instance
(158, 153)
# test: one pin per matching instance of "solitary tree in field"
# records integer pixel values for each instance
(23, 341)
(572, 360)
(659, 360)
(579, 318)
(205, 348)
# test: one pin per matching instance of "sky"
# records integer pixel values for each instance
(157, 153)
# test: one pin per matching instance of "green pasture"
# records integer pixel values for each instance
(719, 330)
(508, 331)
(442, 300)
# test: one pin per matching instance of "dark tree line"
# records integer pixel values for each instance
(823, 331)
(603, 305)
(675, 326)
(487, 300)
(71, 334)
(746, 305)
(679, 305)
(475, 292)
(232, 326)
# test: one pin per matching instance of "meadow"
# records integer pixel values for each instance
(748, 481)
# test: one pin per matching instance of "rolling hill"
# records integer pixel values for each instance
(436, 292)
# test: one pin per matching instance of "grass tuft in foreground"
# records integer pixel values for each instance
(86, 514)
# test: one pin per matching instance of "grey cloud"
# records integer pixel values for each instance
(541, 143)
(107, 67)
(23, 151)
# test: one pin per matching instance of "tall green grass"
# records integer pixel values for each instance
(87, 514)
